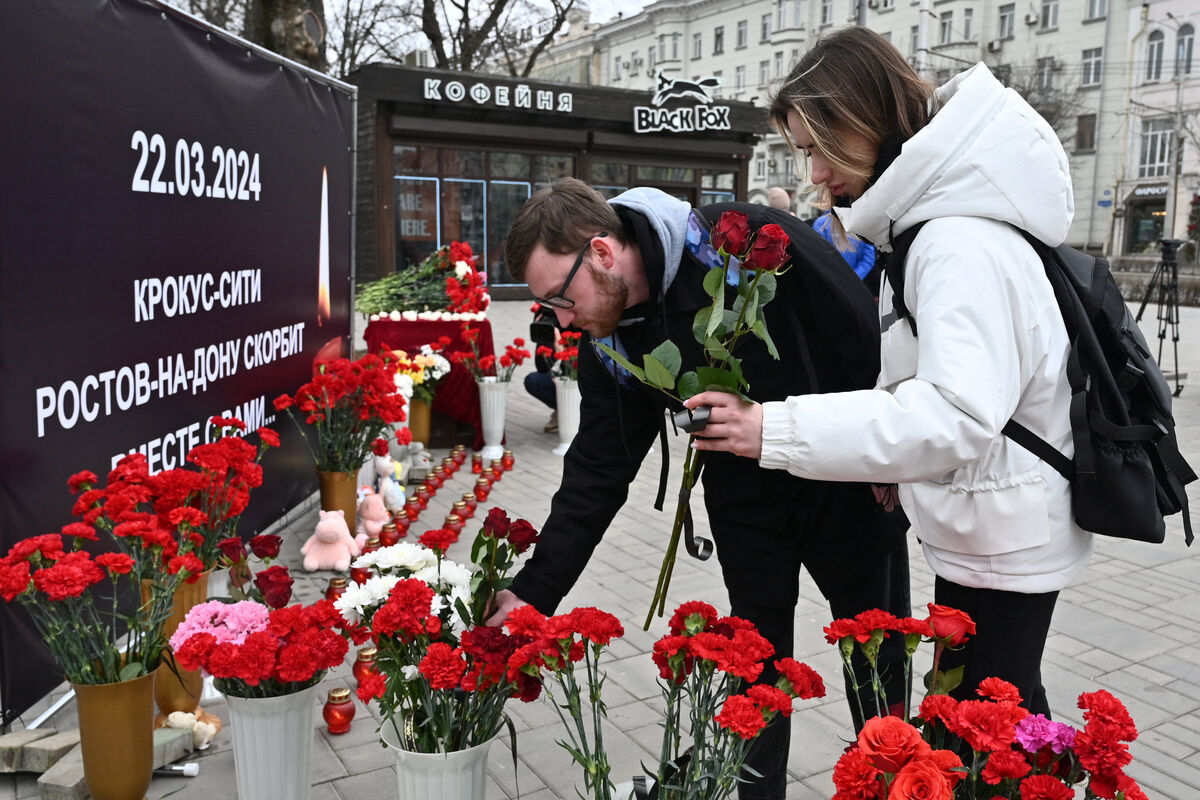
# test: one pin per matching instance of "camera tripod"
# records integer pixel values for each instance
(1166, 281)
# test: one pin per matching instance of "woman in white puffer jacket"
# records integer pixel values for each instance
(975, 162)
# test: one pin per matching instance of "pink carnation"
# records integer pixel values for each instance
(227, 622)
(1036, 731)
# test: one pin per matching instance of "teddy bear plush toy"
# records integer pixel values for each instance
(372, 515)
(388, 486)
(331, 546)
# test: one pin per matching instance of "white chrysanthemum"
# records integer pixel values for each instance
(404, 556)
(410, 672)
(451, 575)
(380, 586)
(462, 269)
(447, 604)
(353, 602)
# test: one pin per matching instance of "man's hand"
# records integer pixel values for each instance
(504, 603)
(734, 425)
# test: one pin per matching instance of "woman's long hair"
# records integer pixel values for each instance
(853, 80)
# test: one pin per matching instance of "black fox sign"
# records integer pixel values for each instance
(677, 87)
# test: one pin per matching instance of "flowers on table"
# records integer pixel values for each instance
(989, 748)
(70, 593)
(424, 370)
(446, 281)
(255, 651)
(706, 665)
(348, 405)
(442, 677)
(501, 368)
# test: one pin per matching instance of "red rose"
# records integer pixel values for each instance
(496, 523)
(1045, 787)
(522, 535)
(741, 715)
(949, 624)
(889, 743)
(233, 549)
(770, 250)
(276, 586)
(266, 546)
(731, 234)
(950, 765)
(920, 780)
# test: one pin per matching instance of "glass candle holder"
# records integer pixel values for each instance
(423, 496)
(483, 487)
(453, 523)
(412, 509)
(390, 535)
(449, 466)
(336, 588)
(402, 523)
(459, 454)
(476, 463)
(497, 469)
(472, 501)
(338, 711)
(459, 509)
(508, 460)
(364, 664)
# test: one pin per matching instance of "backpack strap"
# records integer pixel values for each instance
(893, 266)
(1040, 448)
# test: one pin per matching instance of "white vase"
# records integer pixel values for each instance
(461, 775)
(493, 395)
(566, 396)
(272, 744)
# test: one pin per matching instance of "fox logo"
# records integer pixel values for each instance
(677, 87)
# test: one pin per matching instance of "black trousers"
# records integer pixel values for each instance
(856, 554)
(1011, 630)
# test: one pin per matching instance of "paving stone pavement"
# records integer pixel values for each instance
(1128, 624)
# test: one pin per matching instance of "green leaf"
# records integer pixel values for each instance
(715, 319)
(738, 302)
(130, 671)
(765, 287)
(624, 362)
(716, 348)
(689, 384)
(668, 355)
(734, 366)
(751, 316)
(717, 378)
(946, 682)
(714, 282)
(700, 323)
(657, 374)
(759, 329)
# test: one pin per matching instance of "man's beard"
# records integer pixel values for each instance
(612, 296)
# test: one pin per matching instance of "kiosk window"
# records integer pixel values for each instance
(548, 168)
(463, 163)
(510, 165)
(609, 172)
(666, 174)
(415, 160)
(504, 199)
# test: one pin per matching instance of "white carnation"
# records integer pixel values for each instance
(462, 269)
(394, 316)
(353, 602)
(410, 672)
(409, 316)
(404, 556)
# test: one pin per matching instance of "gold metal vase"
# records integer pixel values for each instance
(116, 736)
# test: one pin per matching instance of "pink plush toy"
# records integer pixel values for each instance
(372, 514)
(331, 546)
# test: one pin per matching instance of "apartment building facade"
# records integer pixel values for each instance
(1118, 80)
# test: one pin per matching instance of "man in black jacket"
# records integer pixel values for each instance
(627, 272)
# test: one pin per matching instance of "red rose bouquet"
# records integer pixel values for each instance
(84, 603)
(443, 678)
(742, 265)
(706, 664)
(490, 366)
(989, 748)
(255, 651)
(348, 405)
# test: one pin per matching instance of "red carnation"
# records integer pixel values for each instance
(379, 447)
(999, 690)
(673, 657)
(269, 437)
(769, 698)
(439, 539)
(742, 716)
(116, 563)
(79, 480)
(595, 625)
(1005, 765)
(443, 666)
(799, 679)
(371, 687)
(855, 778)
(80, 530)
(1045, 787)
(841, 628)
(694, 615)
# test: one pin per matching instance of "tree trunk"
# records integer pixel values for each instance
(294, 29)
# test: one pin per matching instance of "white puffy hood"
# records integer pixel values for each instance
(963, 163)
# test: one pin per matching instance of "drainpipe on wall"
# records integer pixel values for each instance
(1112, 229)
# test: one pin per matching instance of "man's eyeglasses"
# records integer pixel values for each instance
(559, 298)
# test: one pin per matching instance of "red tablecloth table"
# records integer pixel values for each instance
(457, 396)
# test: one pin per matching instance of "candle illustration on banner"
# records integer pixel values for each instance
(323, 256)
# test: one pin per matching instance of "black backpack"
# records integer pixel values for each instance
(1127, 473)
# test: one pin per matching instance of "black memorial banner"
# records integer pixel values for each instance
(174, 244)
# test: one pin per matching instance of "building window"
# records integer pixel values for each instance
(1003, 73)
(617, 68)
(743, 34)
(697, 45)
(945, 27)
(650, 60)
(634, 62)
(1085, 132)
(675, 46)
(1091, 66)
(912, 41)
(886, 4)
(826, 12)
(716, 91)
(764, 73)
(718, 40)
(968, 17)
(1154, 54)
(1045, 74)
(766, 28)
(1156, 148)
(795, 55)
(779, 64)
(1008, 17)
(1049, 14)
(662, 47)
(1096, 9)
(739, 78)
(760, 166)
(1183, 49)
